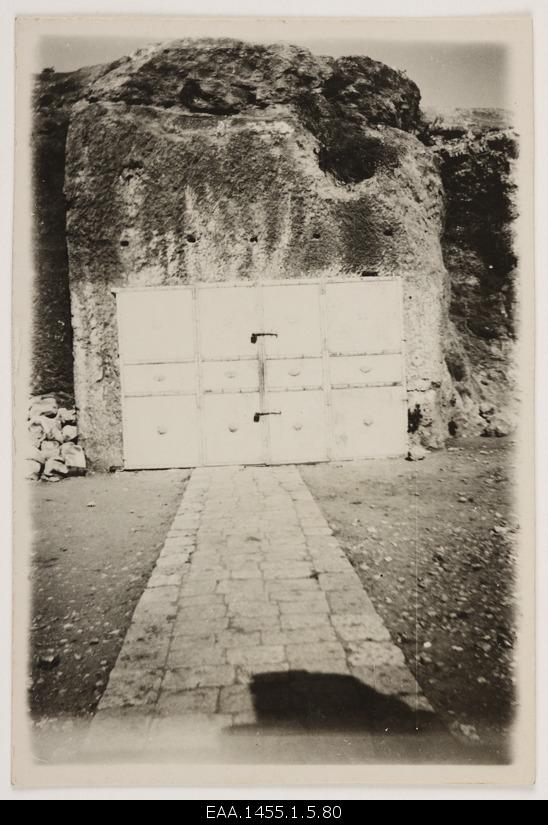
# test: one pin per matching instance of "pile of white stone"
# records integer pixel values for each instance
(53, 452)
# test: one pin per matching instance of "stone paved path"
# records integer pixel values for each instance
(253, 618)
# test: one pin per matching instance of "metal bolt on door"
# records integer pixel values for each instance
(282, 372)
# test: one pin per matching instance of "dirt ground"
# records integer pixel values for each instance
(96, 541)
(433, 542)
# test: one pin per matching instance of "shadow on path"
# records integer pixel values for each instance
(348, 720)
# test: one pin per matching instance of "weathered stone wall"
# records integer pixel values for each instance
(160, 197)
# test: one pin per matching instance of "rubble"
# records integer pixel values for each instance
(416, 453)
(52, 452)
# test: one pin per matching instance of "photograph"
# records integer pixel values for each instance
(273, 400)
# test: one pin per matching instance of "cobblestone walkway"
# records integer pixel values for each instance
(253, 617)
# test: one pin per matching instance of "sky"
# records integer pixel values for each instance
(449, 75)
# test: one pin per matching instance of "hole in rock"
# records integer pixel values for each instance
(414, 418)
(124, 243)
(191, 238)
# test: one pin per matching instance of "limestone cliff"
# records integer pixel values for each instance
(218, 159)
(477, 150)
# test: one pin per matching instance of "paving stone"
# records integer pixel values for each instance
(311, 604)
(290, 570)
(179, 642)
(202, 613)
(251, 572)
(201, 600)
(196, 588)
(296, 621)
(374, 654)
(196, 656)
(154, 621)
(355, 627)
(245, 590)
(238, 638)
(246, 674)
(252, 623)
(187, 678)
(350, 601)
(199, 627)
(262, 608)
(159, 598)
(262, 654)
(199, 700)
(323, 633)
(335, 665)
(149, 652)
(277, 588)
(207, 570)
(236, 699)
(131, 686)
(168, 567)
(325, 563)
(159, 579)
(339, 581)
(318, 653)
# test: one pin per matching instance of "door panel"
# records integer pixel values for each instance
(231, 434)
(230, 376)
(368, 422)
(156, 379)
(298, 373)
(227, 319)
(293, 312)
(365, 369)
(161, 431)
(300, 432)
(156, 325)
(364, 317)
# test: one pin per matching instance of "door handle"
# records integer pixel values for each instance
(257, 416)
(255, 335)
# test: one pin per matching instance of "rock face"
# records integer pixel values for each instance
(221, 160)
(477, 149)
(55, 94)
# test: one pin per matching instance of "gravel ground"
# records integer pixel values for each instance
(433, 544)
(96, 541)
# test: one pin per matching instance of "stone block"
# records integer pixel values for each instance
(74, 457)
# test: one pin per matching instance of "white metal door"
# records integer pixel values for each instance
(270, 373)
(364, 332)
(294, 398)
(161, 426)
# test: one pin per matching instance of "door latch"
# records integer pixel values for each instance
(257, 416)
(255, 335)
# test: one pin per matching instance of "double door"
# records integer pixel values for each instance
(261, 374)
